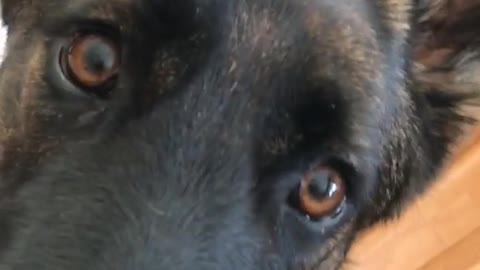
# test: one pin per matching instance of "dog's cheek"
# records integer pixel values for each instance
(32, 85)
(23, 71)
(22, 140)
(331, 253)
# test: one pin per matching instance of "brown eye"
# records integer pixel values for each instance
(321, 192)
(91, 62)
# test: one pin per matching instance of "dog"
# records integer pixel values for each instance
(209, 134)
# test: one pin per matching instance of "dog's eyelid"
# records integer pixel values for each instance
(87, 14)
(64, 27)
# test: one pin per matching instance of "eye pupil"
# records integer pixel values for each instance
(99, 58)
(320, 185)
(321, 193)
(91, 61)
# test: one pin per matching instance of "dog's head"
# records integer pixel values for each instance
(213, 134)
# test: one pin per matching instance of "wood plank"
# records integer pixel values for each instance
(463, 255)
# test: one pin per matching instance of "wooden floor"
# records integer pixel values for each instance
(439, 232)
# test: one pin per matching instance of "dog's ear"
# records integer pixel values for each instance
(447, 65)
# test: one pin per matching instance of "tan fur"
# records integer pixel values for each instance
(397, 13)
(447, 53)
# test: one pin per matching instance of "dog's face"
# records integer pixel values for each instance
(208, 134)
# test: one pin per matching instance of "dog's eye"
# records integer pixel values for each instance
(91, 62)
(321, 193)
